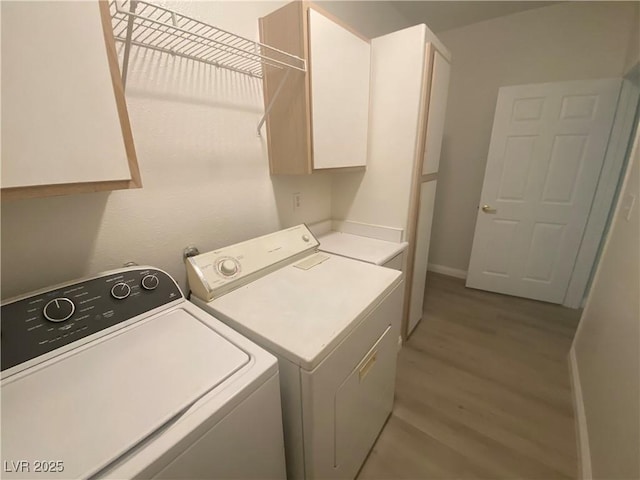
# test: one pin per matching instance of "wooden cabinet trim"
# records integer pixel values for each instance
(429, 177)
(18, 193)
(118, 91)
(291, 108)
(341, 169)
(309, 87)
(414, 200)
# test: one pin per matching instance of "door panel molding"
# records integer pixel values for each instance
(546, 153)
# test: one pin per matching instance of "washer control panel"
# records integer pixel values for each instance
(38, 324)
(215, 273)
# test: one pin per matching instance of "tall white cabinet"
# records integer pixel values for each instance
(430, 143)
(408, 96)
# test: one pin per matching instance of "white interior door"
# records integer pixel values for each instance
(547, 148)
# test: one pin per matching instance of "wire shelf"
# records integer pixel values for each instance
(142, 24)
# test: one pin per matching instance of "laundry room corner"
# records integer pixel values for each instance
(204, 170)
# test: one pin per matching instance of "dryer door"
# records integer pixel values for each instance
(363, 403)
(348, 397)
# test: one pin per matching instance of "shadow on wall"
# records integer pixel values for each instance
(161, 76)
(209, 116)
(344, 189)
(77, 226)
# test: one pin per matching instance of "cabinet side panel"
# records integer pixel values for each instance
(118, 91)
(437, 108)
(287, 124)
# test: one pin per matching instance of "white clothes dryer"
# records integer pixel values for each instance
(119, 376)
(333, 324)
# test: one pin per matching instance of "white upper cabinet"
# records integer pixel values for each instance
(64, 121)
(339, 68)
(319, 120)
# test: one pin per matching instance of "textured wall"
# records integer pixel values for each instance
(607, 344)
(204, 170)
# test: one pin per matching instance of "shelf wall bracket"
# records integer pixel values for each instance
(273, 100)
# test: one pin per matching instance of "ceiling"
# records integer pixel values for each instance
(446, 15)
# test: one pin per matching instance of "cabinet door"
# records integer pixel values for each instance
(339, 71)
(61, 124)
(423, 239)
(437, 107)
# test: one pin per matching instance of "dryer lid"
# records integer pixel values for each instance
(303, 313)
(92, 406)
(371, 250)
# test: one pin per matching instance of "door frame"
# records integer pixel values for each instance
(610, 175)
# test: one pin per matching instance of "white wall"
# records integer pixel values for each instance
(204, 171)
(607, 344)
(371, 18)
(633, 53)
(565, 41)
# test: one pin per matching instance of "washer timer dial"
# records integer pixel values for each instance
(120, 290)
(228, 267)
(150, 282)
(59, 309)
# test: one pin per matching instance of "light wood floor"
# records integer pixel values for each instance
(482, 391)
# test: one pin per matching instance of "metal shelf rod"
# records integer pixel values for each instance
(213, 43)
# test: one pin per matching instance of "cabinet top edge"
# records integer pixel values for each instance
(304, 6)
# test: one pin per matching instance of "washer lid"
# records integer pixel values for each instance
(304, 313)
(89, 408)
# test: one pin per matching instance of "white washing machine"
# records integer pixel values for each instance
(333, 324)
(118, 376)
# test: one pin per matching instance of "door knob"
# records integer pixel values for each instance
(488, 209)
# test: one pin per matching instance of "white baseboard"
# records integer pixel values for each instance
(582, 435)
(452, 272)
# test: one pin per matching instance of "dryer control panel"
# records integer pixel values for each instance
(215, 273)
(36, 325)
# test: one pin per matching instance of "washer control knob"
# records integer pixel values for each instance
(59, 309)
(120, 291)
(228, 267)
(150, 282)
(305, 237)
